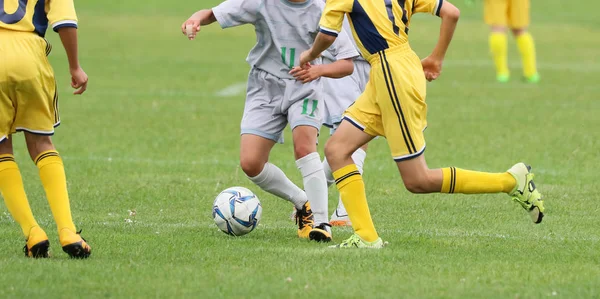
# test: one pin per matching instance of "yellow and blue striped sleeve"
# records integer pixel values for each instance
(61, 13)
(333, 16)
(428, 6)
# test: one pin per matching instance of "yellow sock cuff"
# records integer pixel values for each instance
(7, 161)
(47, 157)
(346, 175)
(448, 180)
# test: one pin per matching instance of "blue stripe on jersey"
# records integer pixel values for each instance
(327, 32)
(73, 25)
(366, 30)
(40, 19)
(390, 11)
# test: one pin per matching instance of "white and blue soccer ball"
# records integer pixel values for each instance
(236, 211)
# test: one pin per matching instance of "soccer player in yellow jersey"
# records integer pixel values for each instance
(393, 105)
(513, 14)
(29, 103)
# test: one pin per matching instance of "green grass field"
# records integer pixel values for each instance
(157, 132)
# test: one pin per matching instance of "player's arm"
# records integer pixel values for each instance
(337, 69)
(200, 18)
(330, 26)
(79, 79)
(229, 13)
(432, 64)
(63, 19)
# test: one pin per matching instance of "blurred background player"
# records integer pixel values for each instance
(393, 105)
(275, 99)
(501, 15)
(29, 103)
(339, 94)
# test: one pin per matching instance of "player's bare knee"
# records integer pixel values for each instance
(37, 144)
(518, 31)
(251, 167)
(303, 150)
(418, 185)
(335, 151)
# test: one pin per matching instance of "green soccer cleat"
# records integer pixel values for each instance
(356, 242)
(503, 78)
(535, 78)
(525, 192)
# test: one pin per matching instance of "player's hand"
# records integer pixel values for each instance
(432, 68)
(306, 57)
(191, 27)
(306, 74)
(79, 80)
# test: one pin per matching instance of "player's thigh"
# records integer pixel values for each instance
(401, 96)
(262, 113)
(7, 111)
(35, 93)
(519, 14)
(6, 146)
(495, 12)
(345, 141)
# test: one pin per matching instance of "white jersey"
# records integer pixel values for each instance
(283, 29)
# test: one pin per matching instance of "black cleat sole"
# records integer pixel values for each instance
(39, 250)
(319, 236)
(76, 251)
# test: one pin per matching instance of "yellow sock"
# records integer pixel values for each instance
(527, 49)
(52, 175)
(498, 47)
(11, 188)
(458, 180)
(352, 190)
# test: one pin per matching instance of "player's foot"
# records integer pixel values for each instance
(340, 219)
(73, 244)
(503, 78)
(535, 78)
(321, 233)
(525, 193)
(37, 243)
(305, 221)
(356, 242)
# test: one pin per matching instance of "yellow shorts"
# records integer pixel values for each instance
(508, 13)
(28, 99)
(393, 103)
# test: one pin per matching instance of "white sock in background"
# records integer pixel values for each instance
(315, 186)
(273, 180)
(358, 157)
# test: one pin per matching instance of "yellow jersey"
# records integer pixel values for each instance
(35, 15)
(377, 25)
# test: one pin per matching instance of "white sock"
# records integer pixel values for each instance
(358, 157)
(273, 180)
(315, 186)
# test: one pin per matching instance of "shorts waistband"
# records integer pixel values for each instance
(395, 50)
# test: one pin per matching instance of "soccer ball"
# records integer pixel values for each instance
(236, 211)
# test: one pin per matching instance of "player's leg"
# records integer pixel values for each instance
(339, 149)
(54, 180)
(13, 192)
(518, 22)
(340, 215)
(516, 182)
(495, 14)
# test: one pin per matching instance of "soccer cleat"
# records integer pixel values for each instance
(503, 78)
(305, 221)
(321, 233)
(356, 242)
(535, 78)
(37, 245)
(525, 192)
(73, 244)
(339, 220)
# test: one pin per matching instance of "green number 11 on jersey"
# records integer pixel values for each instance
(292, 57)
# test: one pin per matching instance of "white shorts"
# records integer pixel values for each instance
(272, 103)
(339, 94)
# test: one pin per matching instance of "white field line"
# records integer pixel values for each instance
(281, 225)
(232, 90)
